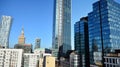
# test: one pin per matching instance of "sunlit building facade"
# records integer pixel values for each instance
(5, 27)
(11, 57)
(104, 27)
(62, 26)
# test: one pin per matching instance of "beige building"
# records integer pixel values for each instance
(21, 39)
(49, 61)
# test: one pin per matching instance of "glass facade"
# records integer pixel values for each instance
(81, 41)
(104, 28)
(62, 25)
(5, 27)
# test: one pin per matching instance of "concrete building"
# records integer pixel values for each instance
(37, 43)
(21, 43)
(31, 60)
(42, 50)
(49, 61)
(75, 60)
(5, 27)
(61, 40)
(112, 59)
(11, 57)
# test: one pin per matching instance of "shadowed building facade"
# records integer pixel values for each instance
(82, 42)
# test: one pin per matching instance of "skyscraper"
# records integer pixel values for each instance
(5, 27)
(62, 26)
(37, 43)
(104, 28)
(21, 39)
(81, 41)
(21, 43)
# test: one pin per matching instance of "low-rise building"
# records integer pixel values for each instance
(31, 60)
(112, 60)
(49, 61)
(74, 60)
(11, 57)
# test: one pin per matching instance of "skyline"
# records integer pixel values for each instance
(42, 20)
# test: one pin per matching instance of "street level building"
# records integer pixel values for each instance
(49, 61)
(11, 57)
(31, 60)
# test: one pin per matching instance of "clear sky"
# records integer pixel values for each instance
(36, 16)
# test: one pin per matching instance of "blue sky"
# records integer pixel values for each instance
(36, 16)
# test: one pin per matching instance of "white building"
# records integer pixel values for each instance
(31, 60)
(11, 57)
(74, 60)
(5, 27)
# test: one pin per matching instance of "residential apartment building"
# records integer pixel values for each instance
(11, 57)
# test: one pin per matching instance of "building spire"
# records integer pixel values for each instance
(22, 32)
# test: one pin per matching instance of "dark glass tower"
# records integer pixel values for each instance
(81, 41)
(61, 40)
(104, 28)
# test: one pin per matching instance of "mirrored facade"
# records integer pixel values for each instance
(81, 41)
(5, 27)
(104, 28)
(62, 25)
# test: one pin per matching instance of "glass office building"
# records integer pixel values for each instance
(5, 27)
(62, 26)
(104, 28)
(81, 41)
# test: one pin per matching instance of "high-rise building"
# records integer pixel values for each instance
(81, 41)
(37, 43)
(21, 43)
(5, 27)
(21, 39)
(11, 57)
(104, 28)
(62, 26)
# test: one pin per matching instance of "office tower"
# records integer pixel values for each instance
(104, 28)
(61, 40)
(21, 39)
(5, 27)
(81, 41)
(21, 43)
(37, 43)
(11, 57)
(31, 60)
(49, 61)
